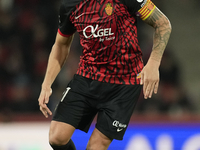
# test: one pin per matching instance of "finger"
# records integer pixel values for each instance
(156, 87)
(41, 101)
(148, 90)
(48, 111)
(142, 82)
(45, 110)
(145, 84)
(151, 90)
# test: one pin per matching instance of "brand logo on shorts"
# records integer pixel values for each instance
(119, 126)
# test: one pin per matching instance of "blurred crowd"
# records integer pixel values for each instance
(27, 33)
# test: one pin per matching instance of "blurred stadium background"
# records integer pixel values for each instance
(168, 121)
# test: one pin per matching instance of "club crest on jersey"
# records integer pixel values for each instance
(109, 9)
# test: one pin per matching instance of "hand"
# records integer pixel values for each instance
(150, 79)
(43, 101)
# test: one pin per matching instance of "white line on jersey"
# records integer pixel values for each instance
(76, 17)
(67, 90)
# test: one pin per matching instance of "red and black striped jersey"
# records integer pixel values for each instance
(108, 35)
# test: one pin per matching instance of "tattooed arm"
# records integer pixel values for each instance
(150, 73)
(162, 28)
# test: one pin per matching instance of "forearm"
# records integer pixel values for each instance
(56, 60)
(160, 40)
(161, 35)
(58, 55)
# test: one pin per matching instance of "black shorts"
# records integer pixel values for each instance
(84, 98)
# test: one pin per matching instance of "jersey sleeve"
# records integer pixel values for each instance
(65, 26)
(141, 8)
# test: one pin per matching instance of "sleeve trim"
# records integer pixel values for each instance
(146, 10)
(65, 35)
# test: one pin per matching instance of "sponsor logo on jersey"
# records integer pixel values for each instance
(119, 126)
(109, 9)
(95, 32)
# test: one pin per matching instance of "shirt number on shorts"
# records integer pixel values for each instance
(65, 93)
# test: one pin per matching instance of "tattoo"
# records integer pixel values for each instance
(162, 32)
